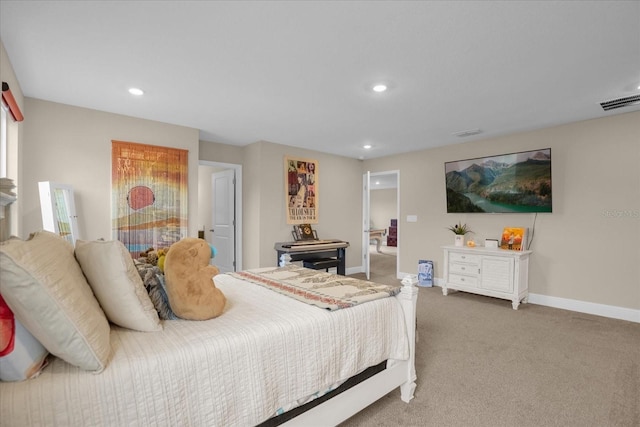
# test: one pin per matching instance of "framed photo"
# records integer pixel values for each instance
(508, 183)
(301, 190)
(149, 195)
(514, 238)
(304, 232)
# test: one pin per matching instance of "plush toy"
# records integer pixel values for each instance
(142, 256)
(150, 256)
(162, 253)
(189, 280)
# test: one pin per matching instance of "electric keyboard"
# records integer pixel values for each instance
(312, 250)
(309, 242)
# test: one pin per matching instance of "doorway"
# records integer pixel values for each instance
(384, 202)
(220, 212)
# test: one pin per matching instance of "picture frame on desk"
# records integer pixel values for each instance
(304, 232)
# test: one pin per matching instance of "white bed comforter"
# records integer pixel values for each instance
(265, 352)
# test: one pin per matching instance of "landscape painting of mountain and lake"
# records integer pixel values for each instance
(508, 183)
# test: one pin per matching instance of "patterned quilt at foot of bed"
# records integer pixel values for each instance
(324, 290)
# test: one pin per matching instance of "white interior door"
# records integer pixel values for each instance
(366, 211)
(223, 211)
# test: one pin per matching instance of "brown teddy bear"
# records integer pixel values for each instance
(189, 280)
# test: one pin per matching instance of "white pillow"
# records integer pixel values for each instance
(116, 283)
(44, 286)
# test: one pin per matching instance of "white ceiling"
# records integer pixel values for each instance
(299, 73)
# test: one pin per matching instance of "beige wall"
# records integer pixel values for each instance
(72, 145)
(222, 153)
(586, 250)
(264, 214)
(339, 202)
(383, 205)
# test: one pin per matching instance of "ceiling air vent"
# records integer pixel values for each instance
(620, 102)
(466, 133)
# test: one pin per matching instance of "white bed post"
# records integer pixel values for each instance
(408, 298)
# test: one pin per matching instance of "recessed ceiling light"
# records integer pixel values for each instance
(136, 91)
(380, 87)
(366, 146)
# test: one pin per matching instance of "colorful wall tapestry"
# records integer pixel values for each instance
(301, 188)
(149, 195)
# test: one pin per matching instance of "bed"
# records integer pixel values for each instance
(267, 354)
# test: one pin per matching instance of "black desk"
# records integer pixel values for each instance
(300, 251)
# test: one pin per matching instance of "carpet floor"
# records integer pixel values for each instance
(481, 363)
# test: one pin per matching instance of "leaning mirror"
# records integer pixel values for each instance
(59, 210)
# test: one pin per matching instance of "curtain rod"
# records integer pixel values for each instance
(11, 103)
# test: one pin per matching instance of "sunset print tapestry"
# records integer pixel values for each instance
(149, 195)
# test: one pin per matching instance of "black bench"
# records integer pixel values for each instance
(321, 263)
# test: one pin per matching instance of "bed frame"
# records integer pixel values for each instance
(398, 373)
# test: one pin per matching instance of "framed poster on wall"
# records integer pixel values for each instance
(301, 190)
(149, 195)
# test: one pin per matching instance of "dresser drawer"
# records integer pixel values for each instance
(464, 269)
(459, 279)
(466, 258)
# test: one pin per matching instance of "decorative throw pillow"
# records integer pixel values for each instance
(25, 360)
(44, 286)
(116, 283)
(21, 355)
(153, 280)
(7, 328)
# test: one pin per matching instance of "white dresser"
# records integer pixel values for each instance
(492, 272)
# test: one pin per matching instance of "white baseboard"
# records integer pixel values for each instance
(353, 270)
(611, 311)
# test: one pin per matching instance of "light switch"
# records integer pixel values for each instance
(412, 218)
